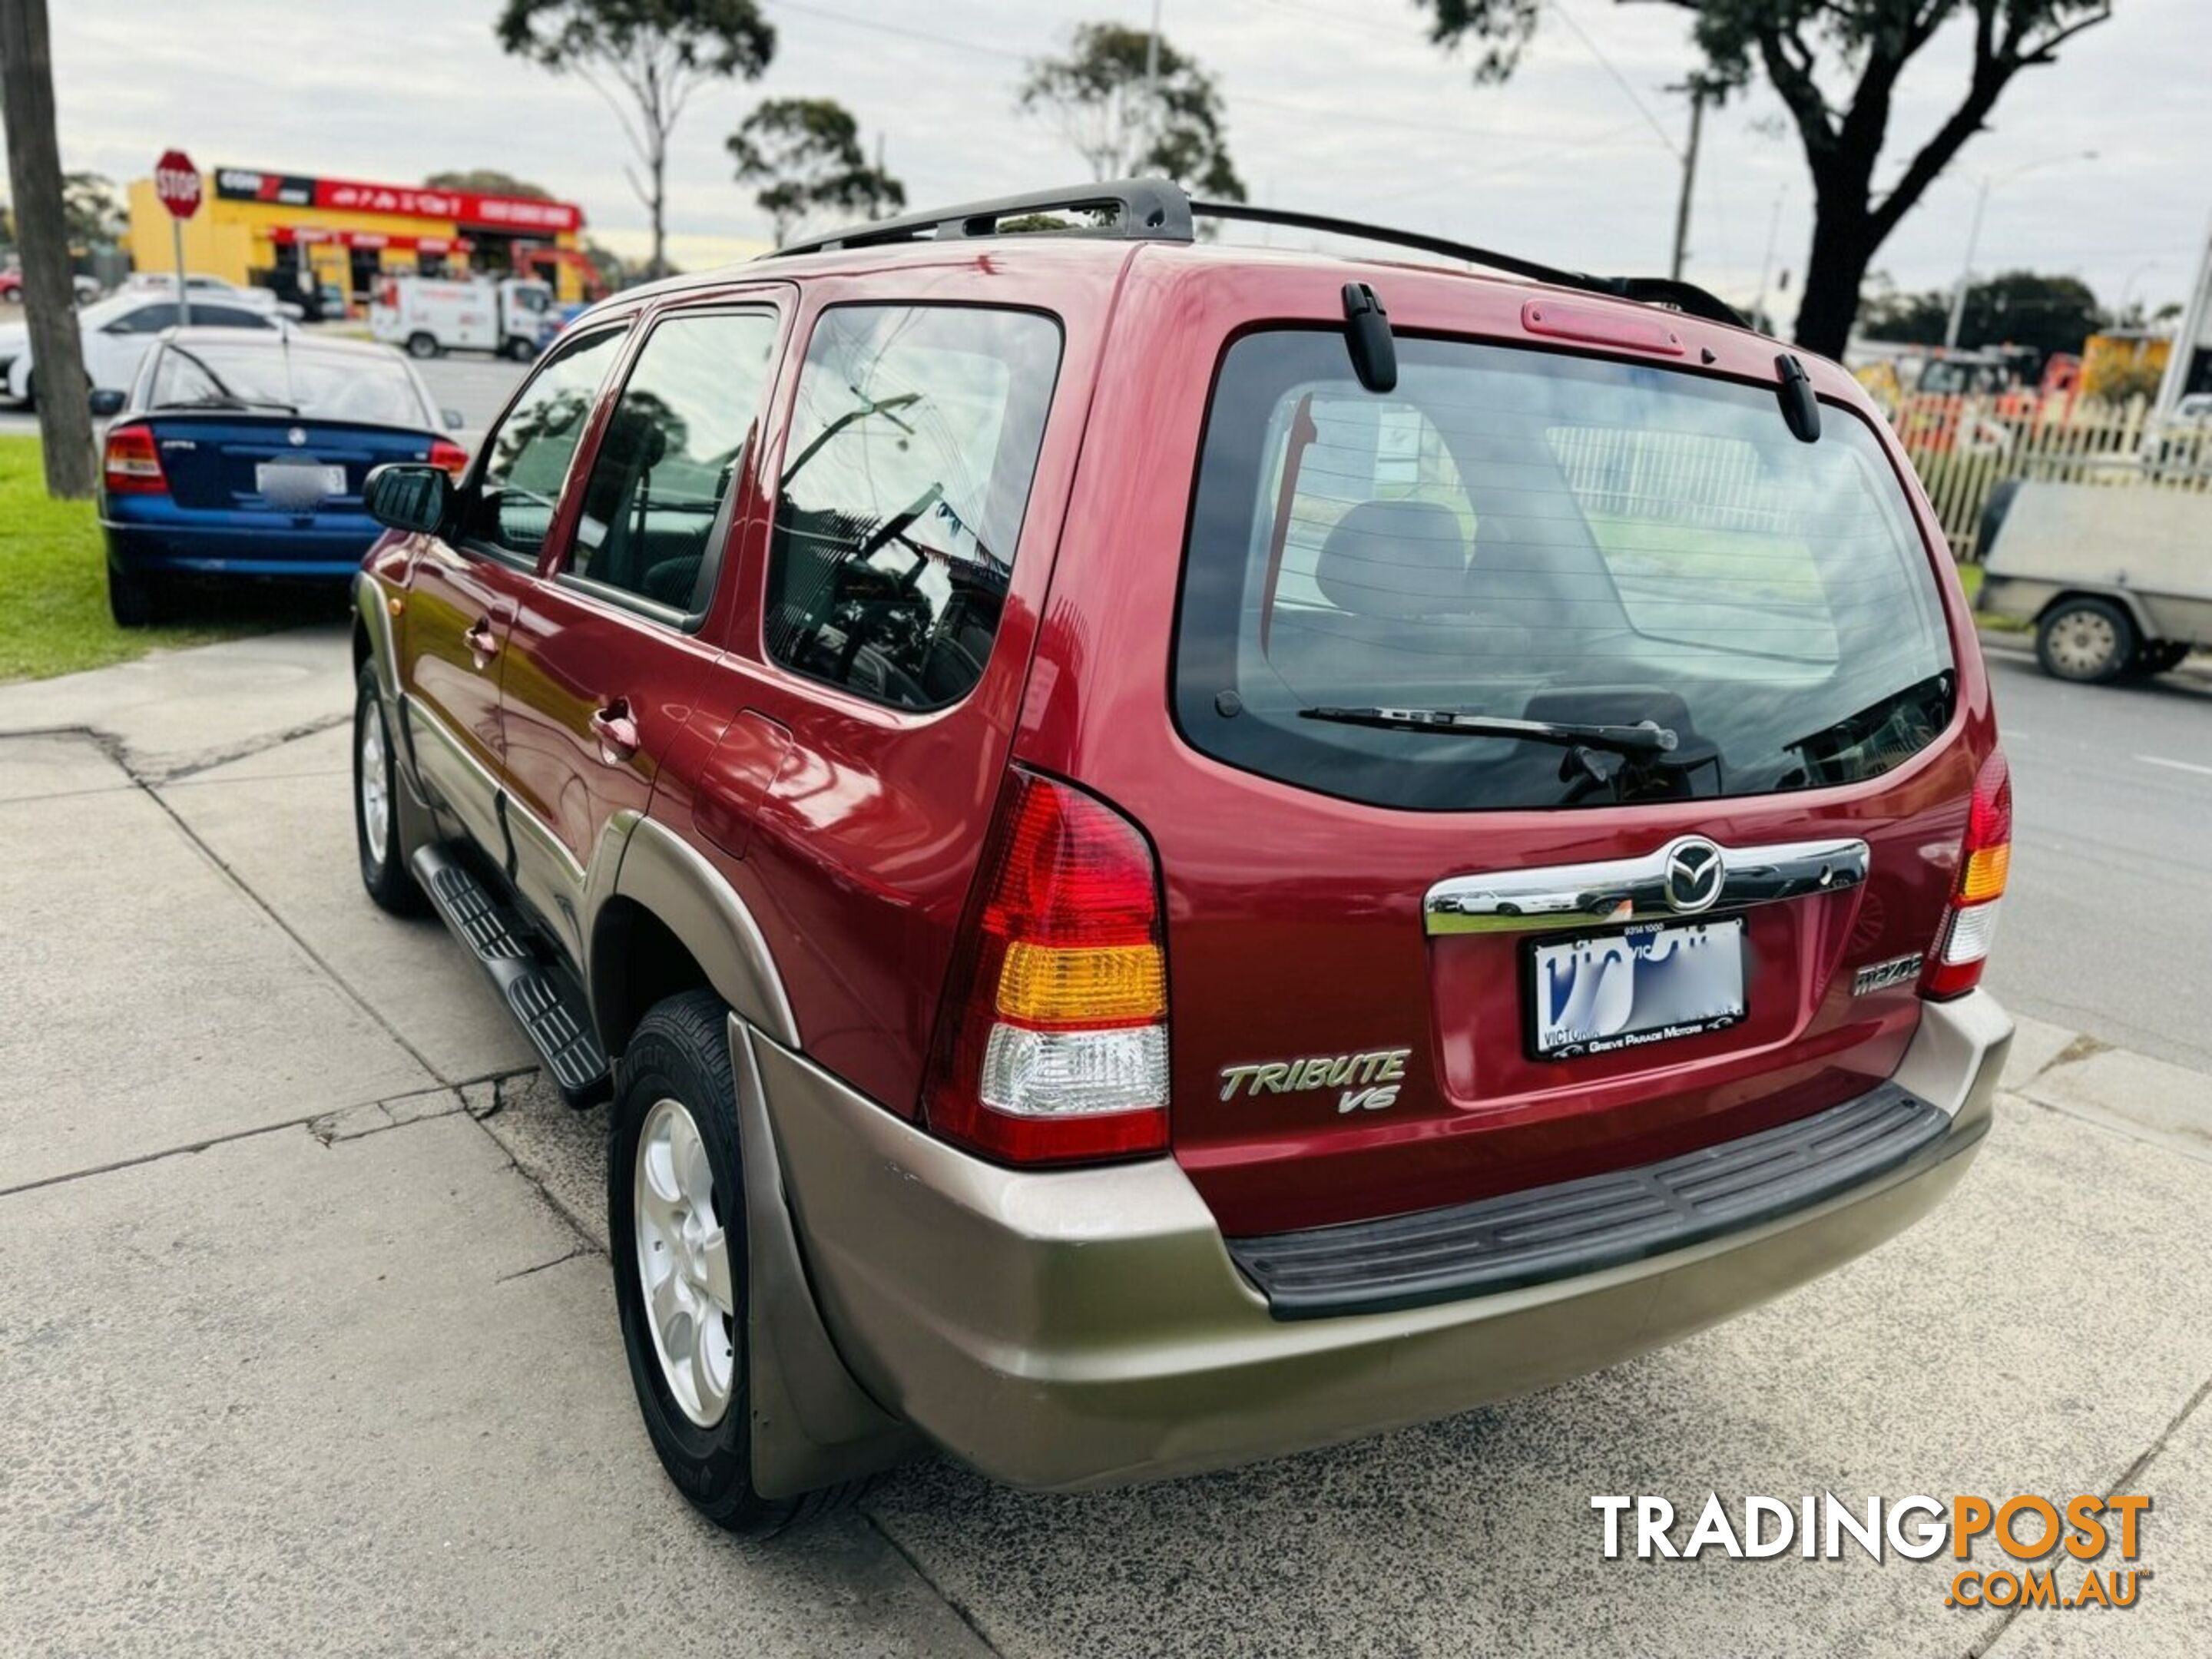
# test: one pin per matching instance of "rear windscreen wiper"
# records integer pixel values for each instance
(1644, 738)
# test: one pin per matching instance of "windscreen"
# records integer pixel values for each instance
(201, 375)
(1545, 537)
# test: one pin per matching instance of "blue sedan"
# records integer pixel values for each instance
(241, 453)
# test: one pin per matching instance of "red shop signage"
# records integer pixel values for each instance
(519, 213)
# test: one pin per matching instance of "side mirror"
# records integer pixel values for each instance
(454, 419)
(106, 402)
(410, 495)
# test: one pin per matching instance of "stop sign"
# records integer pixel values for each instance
(177, 182)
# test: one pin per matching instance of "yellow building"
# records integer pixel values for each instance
(298, 233)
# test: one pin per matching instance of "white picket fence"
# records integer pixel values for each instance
(1964, 446)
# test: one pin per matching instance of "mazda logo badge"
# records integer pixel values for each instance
(1694, 873)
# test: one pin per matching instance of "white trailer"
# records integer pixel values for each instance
(428, 316)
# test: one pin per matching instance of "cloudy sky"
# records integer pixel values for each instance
(1333, 105)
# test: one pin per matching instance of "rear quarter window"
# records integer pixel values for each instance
(1535, 536)
(906, 476)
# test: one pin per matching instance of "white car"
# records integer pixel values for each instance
(214, 289)
(115, 333)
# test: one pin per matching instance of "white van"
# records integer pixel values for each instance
(429, 316)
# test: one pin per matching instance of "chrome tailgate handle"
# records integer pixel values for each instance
(1686, 877)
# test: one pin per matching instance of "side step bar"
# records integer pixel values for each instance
(543, 996)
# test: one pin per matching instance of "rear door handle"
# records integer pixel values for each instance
(482, 644)
(616, 731)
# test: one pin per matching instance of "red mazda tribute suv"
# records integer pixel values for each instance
(1169, 853)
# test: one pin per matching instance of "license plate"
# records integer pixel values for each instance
(289, 482)
(1609, 992)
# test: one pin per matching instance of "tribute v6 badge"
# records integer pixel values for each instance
(1368, 1080)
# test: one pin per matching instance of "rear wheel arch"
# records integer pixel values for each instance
(636, 960)
(2114, 596)
(661, 895)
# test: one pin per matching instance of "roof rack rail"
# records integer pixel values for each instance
(1158, 210)
(1686, 297)
(1144, 209)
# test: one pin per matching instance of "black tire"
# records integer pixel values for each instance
(135, 599)
(681, 1053)
(2089, 641)
(386, 875)
(421, 345)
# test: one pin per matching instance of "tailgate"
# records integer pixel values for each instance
(1411, 964)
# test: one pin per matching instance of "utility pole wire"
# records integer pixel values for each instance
(1618, 79)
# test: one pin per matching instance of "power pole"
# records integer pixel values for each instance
(1689, 179)
(35, 170)
(1151, 91)
(1766, 263)
(1957, 318)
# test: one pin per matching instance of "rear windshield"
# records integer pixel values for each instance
(1544, 537)
(274, 380)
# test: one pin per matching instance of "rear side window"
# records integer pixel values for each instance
(213, 316)
(665, 465)
(905, 477)
(147, 319)
(1544, 538)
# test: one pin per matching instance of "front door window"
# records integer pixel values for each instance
(527, 458)
(661, 482)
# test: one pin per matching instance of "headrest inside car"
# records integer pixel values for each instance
(1400, 559)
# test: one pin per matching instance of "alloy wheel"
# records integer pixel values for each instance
(375, 789)
(684, 1264)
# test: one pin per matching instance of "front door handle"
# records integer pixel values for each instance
(482, 644)
(616, 731)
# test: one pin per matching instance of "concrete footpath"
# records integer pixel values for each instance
(307, 1340)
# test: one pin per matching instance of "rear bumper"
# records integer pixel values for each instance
(261, 549)
(1084, 1328)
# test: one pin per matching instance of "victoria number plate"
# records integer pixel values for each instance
(1652, 983)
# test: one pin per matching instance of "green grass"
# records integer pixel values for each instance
(53, 583)
(1970, 578)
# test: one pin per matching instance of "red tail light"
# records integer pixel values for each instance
(445, 453)
(132, 465)
(1970, 925)
(1052, 1046)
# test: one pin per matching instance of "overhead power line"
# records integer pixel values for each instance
(1305, 111)
(1618, 79)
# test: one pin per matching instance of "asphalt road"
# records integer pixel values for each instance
(2110, 901)
(477, 387)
